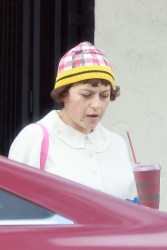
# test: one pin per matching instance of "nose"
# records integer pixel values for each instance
(95, 102)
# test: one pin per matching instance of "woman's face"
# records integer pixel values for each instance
(85, 105)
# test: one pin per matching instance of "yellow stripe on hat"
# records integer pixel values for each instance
(84, 73)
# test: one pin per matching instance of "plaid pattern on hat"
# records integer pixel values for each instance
(83, 62)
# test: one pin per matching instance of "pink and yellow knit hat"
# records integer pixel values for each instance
(83, 62)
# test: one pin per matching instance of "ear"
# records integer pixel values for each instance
(65, 98)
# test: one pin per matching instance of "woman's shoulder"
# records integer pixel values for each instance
(30, 130)
(114, 136)
(26, 143)
(117, 136)
(34, 128)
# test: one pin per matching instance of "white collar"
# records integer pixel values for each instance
(100, 137)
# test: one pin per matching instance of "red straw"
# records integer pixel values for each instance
(131, 146)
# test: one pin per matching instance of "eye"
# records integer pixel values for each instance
(104, 96)
(86, 95)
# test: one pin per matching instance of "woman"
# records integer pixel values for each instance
(80, 148)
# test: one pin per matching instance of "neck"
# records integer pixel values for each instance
(65, 118)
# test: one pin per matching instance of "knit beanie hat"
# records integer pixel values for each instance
(83, 62)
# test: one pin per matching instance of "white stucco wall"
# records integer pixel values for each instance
(133, 36)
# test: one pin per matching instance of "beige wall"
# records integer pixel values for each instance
(133, 35)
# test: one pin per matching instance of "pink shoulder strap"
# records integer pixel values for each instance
(44, 146)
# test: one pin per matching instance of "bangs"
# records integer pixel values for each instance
(94, 82)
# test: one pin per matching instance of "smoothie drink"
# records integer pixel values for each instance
(147, 178)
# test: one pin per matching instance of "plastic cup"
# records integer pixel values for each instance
(147, 178)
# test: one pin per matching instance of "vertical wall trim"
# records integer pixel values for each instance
(25, 61)
(36, 60)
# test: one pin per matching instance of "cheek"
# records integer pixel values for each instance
(78, 109)
(105, 104)
(104, 107)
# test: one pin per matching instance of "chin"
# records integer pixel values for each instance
(93, 127)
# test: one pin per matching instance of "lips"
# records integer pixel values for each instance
(93, 115)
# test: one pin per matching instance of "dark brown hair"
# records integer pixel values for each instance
(58, 94)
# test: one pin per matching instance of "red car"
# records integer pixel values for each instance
(42, 211)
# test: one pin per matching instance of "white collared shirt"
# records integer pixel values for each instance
(99, 159)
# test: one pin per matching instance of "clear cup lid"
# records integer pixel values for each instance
(146, 167)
